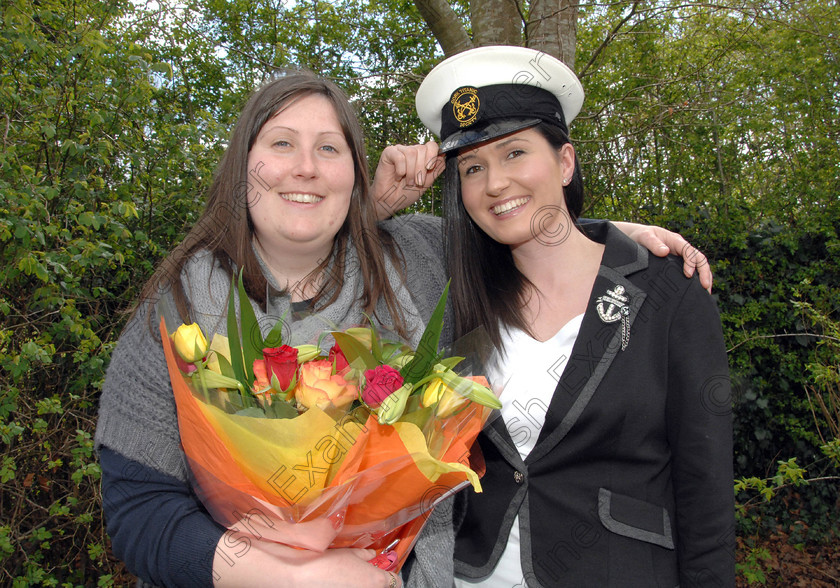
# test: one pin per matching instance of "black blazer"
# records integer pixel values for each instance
(630, 482)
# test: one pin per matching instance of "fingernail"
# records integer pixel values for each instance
(337, 520)
(420, 178)
(385, 561)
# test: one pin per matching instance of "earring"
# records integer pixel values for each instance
(566, 181)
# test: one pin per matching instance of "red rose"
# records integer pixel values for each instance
(380, 382)
(281, 362)
(337, 358)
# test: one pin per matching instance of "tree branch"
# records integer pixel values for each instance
(829, 338)
(445, 26)
(609, 38)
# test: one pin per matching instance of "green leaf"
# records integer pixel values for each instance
(236, 360)
(253, 412)
(427, 350)
(7, 469)
(389, 350)
(86, 219)
(233, 403)
(275, 335)
(418, 416)
(375, 347)
(252, 341)
(29, 265)
(225, 367)
(356, 353)
(450, 362)
(280, 409)
(162, 67)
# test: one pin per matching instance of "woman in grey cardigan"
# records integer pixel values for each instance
(290, 206)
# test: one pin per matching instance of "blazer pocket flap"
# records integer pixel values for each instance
(635, 518)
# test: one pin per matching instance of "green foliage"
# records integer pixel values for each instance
(693, 120)
(752, 569)
(99, 170)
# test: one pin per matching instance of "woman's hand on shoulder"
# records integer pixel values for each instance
(246, 561)
(662, 242)
(403, 174)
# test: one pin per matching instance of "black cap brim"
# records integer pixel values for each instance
(492, 130)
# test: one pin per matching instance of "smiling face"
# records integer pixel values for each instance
(303, 174)
(511, 182)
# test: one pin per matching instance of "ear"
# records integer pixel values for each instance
(566, 153)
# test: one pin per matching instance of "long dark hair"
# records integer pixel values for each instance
(488, 290)
(225, 228)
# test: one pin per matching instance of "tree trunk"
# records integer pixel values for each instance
(495, 22)
(551, 25)
(445, 25)
(552, 28)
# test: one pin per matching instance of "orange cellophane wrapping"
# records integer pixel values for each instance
(314, 482)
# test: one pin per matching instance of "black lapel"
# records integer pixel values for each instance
(498, 434)
(598, 343)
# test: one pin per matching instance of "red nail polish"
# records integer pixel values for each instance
(385, 561)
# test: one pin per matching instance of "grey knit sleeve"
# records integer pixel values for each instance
(418, 232)
(434, 552)
(420, 239)
(137, 415)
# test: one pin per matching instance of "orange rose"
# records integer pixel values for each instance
(261, 381)
(318, 386)
(262, 387)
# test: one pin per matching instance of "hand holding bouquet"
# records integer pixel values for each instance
(347, 448)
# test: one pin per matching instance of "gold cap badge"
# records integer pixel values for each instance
(465, 105)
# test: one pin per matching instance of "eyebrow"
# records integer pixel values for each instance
(496, 146)
(466, 156)
(507, 142)
(266, 128)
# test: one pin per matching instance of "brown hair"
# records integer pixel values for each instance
(225, 228)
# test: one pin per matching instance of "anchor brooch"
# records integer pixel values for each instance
(614, 306)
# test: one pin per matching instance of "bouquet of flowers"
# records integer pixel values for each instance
(349, 448)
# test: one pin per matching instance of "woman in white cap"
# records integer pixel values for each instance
(612, 464)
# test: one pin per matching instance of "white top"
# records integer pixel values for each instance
(526, 377)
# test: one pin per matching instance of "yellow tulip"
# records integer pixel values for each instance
(433, 392)
(448, 400)
(190, 343)
(474, 388)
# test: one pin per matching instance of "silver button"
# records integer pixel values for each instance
(518, 477)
